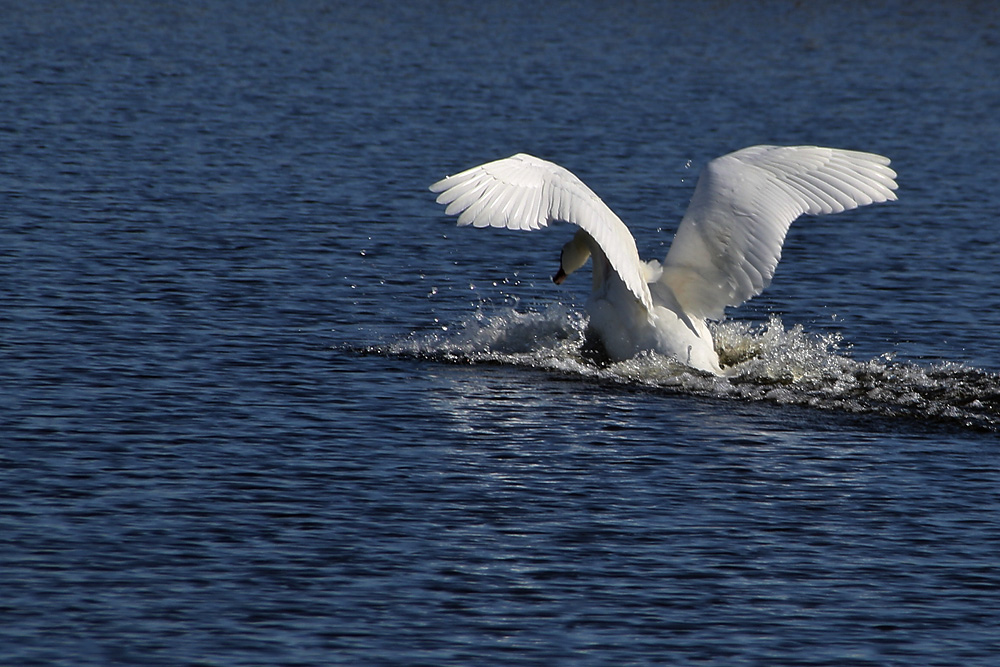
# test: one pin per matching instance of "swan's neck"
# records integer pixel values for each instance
(601, 268)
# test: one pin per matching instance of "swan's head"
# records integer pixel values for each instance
(574, 255)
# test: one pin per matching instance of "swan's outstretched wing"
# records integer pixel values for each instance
(526, 192)
(729, 242)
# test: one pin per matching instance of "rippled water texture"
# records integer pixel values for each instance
(261, 403)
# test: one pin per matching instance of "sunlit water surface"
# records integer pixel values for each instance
(263, 404)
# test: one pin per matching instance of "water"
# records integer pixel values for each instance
(262, 404)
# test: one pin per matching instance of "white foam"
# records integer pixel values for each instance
(764, 362)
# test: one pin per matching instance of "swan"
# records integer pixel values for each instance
(724, 252)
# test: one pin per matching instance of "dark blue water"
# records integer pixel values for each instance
(262, 404)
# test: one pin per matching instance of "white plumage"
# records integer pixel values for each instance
(724, 252)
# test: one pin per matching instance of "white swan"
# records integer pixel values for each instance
(725, 250)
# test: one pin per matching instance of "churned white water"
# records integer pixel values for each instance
(763, 362)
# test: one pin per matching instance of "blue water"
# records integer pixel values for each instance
(261, 403)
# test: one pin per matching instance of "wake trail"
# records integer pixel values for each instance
(763, 362)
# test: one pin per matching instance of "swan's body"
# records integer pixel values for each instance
(724, 253)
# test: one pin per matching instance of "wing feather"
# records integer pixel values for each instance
(729, 241)
(524, 192)
(461, 200)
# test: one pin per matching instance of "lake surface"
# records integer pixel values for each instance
(262, 403)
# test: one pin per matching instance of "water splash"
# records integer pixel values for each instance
(537, 339)
(763, 362)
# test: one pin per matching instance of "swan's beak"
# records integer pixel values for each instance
(559, 277)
